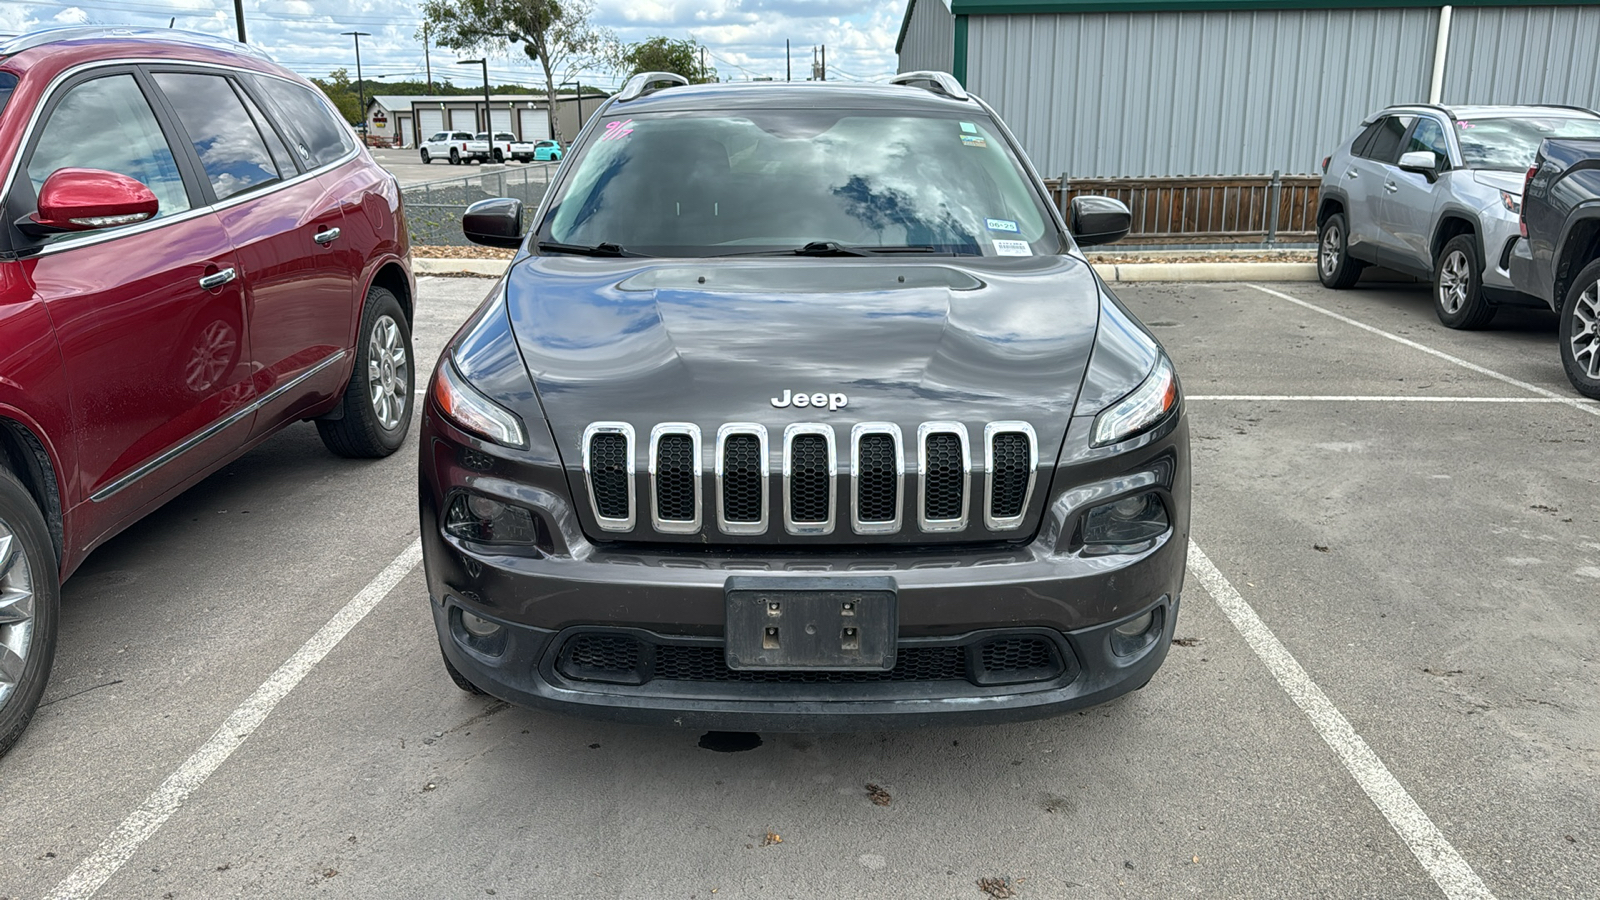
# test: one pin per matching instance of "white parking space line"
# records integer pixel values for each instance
(1575, 403)
(1357, 398)
(145, 821)
(1438, 857)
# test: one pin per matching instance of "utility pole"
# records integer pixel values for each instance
(427, 61)
(238, 16)
(824, 62)
(702, 64)
(361, 89)
(788, 63)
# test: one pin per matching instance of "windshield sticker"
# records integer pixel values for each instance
(1012, 248)
(616, 131)
(973, 141)
(1001, 225)
(969, 128)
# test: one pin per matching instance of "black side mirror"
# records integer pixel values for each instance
(1422, 162)
(1099, 220)
(494, 223)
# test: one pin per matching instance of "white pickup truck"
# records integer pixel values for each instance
(506, 146)
(457, 146)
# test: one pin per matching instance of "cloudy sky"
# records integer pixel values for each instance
(745, 37)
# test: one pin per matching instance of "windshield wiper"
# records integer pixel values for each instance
(834, 248)
(601, 249)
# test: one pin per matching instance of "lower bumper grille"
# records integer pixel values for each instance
(625, 658)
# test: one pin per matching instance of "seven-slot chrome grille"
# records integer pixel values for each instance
(830, 483)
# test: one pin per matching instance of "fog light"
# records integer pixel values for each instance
(1138, 632)
(477, 626)
(1124, 525)
(487, 521)
(1131, 628)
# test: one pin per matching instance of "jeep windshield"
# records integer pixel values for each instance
(781, 181)
(1511, 144)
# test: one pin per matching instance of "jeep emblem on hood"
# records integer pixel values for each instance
(830, 401)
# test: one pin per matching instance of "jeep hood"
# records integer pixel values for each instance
(712, 341)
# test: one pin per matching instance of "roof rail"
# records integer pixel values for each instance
(937, 82)
(45, 36)
(1582, 109)
(640, 84)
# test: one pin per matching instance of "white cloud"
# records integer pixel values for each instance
(744, 37)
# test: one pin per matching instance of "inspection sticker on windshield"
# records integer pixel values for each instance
(1001, 225)
(969, 128)
(972, 140)
(1012, 248)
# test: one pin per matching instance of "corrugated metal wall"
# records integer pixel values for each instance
(930, 39)
(1203, 93)
(1537, 54)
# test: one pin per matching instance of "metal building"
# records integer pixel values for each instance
(1097, 88)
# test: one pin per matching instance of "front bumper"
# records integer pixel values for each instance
(1501, 232)
(665, 606)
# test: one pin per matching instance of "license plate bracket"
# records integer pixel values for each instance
(814, 624)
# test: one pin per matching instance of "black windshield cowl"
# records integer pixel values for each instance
(601, 249)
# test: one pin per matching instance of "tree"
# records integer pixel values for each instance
(342, 91)
(663, 54)
(556, 34)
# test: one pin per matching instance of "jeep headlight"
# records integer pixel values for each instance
(1146, 405)
(472, 412)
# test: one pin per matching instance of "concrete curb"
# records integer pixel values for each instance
(1112, 272)
(1217, 271)
(492, 268)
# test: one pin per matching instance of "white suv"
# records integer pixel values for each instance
(456, 146)
(1436, 192)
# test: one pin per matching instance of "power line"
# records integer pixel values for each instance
(206, 13)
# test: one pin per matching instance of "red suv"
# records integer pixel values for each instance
(194, 254)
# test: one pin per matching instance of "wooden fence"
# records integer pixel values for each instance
(1259, 209)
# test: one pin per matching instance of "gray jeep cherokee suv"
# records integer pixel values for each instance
(801, 410)
(1436, 192)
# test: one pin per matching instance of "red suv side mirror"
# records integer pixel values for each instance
(85, 199)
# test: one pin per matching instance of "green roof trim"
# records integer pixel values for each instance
(1031, 7)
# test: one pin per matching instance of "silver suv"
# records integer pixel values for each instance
(1436, 192)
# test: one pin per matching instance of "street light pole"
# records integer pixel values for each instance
(488, 120)
(238, 16)
(361, 89)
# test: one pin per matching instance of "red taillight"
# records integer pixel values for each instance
(1325, 161)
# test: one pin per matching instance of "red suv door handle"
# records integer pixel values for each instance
(218, 279)
(326, 237)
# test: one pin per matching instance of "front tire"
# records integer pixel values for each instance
(425, 158)
(1580, 331)
(30, 604)
(1458, 285)
(1335, 267)
(378, 399)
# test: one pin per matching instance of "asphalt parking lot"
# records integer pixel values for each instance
(1383, 685)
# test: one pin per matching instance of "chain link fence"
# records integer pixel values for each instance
(434, 208)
